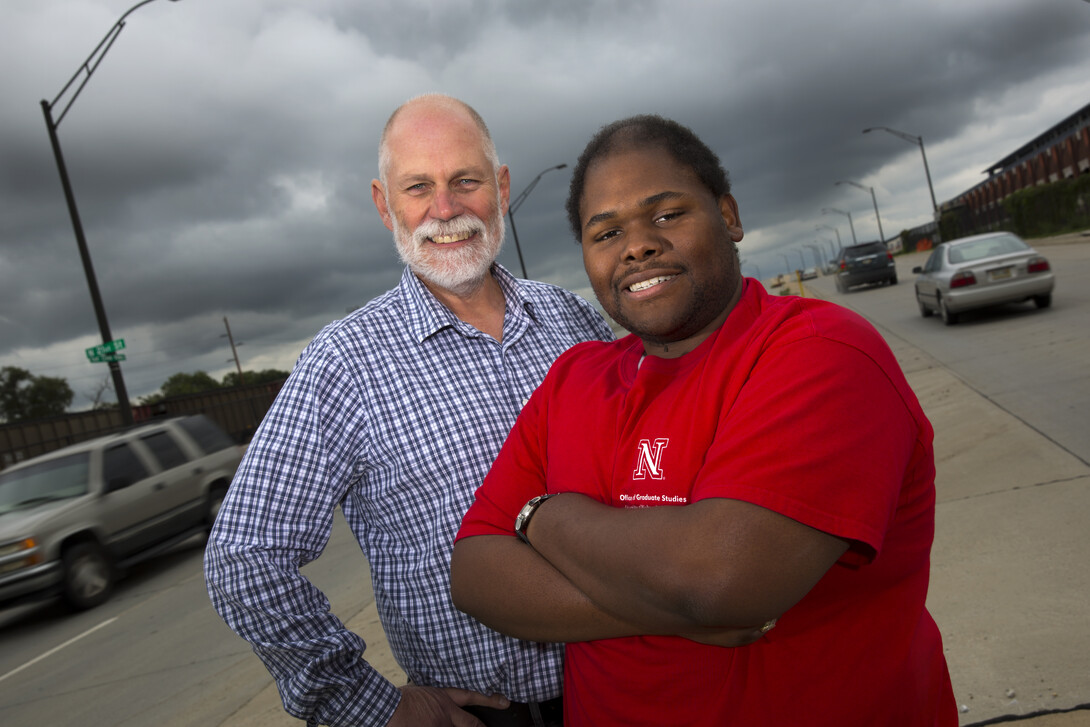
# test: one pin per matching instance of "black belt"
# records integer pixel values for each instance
(521, 714)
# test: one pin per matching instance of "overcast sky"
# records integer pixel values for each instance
(221, 156)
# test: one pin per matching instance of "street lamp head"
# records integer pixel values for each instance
(854, 184)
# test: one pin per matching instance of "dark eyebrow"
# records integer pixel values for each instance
(648, 202)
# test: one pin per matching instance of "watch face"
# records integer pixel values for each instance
(524, 516)
(524, 513)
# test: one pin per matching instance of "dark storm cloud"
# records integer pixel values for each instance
(222, 154)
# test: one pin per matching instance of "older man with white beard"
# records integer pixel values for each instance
(395, 414)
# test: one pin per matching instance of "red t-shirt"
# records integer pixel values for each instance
(797, 406)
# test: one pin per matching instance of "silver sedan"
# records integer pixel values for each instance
(981, 271)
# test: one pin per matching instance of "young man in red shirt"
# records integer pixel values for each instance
(696, 509)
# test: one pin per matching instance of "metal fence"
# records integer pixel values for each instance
(237, 410)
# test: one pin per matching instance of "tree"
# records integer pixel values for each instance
(254, 377)
(97, 404)
(152, 399)
(24, 396)
(181, 384)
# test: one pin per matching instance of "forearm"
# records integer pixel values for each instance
(314, 659)
(713, 564)
(507, 586)
(629, 561)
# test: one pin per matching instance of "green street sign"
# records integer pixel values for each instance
(104, 351)
(105, 357)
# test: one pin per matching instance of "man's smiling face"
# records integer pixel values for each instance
(659, 248)
(442, 197)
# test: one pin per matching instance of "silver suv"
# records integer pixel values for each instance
(72, 519)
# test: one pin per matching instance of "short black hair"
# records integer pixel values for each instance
(646, 130)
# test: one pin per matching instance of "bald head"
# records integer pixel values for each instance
(432, 105)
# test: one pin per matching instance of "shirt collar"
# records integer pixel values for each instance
(427, 316)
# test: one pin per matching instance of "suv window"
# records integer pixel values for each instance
(872, 248)
(121, 467)
(165, 449)
(50, 480)
(209, 436)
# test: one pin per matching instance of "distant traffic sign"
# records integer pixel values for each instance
(105, 357)
(106, 352)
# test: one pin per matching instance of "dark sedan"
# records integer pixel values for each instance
(982, 271)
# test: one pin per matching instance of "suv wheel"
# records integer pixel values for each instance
(212, 508)
(893, 279)
(88, 576)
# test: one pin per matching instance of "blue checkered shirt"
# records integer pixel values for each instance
(395, 414)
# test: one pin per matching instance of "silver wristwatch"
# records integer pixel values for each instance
(527, 512)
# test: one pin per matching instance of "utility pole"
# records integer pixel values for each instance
(234, 350)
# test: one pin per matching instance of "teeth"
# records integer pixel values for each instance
(447, 239)
(637, 287)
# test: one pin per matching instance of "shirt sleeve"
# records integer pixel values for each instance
(278, 516)
(830, 450)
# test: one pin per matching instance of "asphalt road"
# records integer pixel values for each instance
(1030, 363)
(156, 653)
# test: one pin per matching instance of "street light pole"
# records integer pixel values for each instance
(839, 244)
(511, 207)
(874, 200)
(913, 140)
(89, 66)
(855, 241)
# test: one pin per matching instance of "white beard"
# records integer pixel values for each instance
(460, 269)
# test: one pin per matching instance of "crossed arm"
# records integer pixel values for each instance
(712, 571)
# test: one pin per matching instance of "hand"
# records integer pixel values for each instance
(441, 707)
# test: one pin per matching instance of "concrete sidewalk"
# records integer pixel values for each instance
(1010, 574)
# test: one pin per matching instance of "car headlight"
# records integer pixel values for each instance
(19, 554)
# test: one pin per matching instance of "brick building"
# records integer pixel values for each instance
(1061, 152)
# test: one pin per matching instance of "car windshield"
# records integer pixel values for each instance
(971, 250)
(55, 479)
(864, 250)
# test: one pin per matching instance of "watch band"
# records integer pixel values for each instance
(527, 512)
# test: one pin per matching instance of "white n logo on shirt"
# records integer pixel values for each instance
(649, 459)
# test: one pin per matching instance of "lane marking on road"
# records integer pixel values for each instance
(55, 649)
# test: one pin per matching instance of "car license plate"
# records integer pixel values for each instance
(1000, 274)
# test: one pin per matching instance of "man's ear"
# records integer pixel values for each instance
(503, 179)
(728, 207)
(378, 195)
